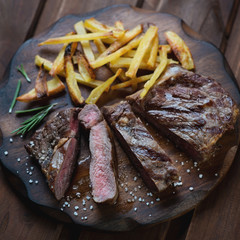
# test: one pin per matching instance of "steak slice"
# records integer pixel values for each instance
(148, 157)
(103, 160)
(192, 110)
(55, 148)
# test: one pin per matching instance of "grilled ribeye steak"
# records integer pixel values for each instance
(148, 157)
(55, 147)
(192, 110)
(103, 160)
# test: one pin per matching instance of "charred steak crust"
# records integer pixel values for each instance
(192, 110)
(148, 157)
(57, 136)
(103, 158)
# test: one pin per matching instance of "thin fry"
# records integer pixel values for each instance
(58, 64)
(98, 91)
(180, 49)
(87, 49)
(124, 62)
(141, 50)
(101, 61)
(54, 86)
(84, 68)
(153, 52)
(76, 38)
(128, 83)
(158, 71)
(71, 81)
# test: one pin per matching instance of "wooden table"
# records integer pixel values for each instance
(218, 217)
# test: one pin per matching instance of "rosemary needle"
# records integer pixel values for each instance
(15, 96)
(28, 124)
(32, 109)
(23, 72)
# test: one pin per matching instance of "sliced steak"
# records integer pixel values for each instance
(148, 157)
(55, 148)
(192, 110)
(103, 159)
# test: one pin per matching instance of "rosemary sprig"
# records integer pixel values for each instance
(23, 72)
(28, 124)
(15, 96)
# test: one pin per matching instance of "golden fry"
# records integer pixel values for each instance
(87, 49)
(71, 81)
(54, 86)
(158, 71)
(129, 35)
(131, 82)
(141, 50)
(76, 38)
(101, 61)
(84, 68)
(180, 49)
(98, 91)
(153, 52)
(124, 62)
(58, 64)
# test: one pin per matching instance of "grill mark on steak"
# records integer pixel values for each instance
(148, 157)
(192, 110)
(55, 148)
(103, 160)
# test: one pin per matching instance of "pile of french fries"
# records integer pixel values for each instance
(123, 51)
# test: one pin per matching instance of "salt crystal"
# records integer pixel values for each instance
(191, 188)
(135, 209)
(75, 214)
(200, 176)
(10, 140)
(76, 207)
(6, 153)
(30, 181)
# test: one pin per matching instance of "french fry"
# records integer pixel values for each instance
(84, 68)
(153, 52)
(71, 81)
(101, 61)
(76, 38)
(101, 48)
(94, 25)
(158, 71)
(180, 49)
(129, 35)
(58, 64)
(124, 62)
(119, 25)
(128, 83)
(41, 84)
(48, 65)
(87, 49)
(141, 50)
(98, 91)
(54, 86)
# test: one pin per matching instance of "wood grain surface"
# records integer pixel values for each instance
(14, 209)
